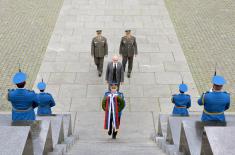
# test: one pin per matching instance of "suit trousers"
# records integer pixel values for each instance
(130, 63)
(99, 61)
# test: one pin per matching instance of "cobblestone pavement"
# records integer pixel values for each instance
(206, 31)
(25, 30)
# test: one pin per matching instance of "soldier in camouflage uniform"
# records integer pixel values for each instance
(99, 49)
(128, 48)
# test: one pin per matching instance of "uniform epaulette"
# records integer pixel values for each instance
(226, 92)
(120, 93)
(11, 89)
(106, 93)
(29, 90)
(187, 94)
(174, 94)
(206, 92)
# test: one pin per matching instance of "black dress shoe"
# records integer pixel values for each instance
(100, 73)
(128, 75)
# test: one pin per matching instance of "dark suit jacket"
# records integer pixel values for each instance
(119, 73)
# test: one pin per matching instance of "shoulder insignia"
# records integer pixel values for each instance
(106, 93)
(120, 93)
(31, 91)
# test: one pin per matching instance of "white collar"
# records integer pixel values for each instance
(114, 94)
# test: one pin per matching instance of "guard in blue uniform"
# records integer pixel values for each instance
(182, 101)
(45, 100)
(215, 102)
(113, 104)
(23, 101)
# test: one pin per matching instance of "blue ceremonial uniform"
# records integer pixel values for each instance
(23, 102)
(121, 95)
(215, 103)
(182, 102)
(45, 102)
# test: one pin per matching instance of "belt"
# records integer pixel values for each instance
(47, 106)
(19, 110)
(212, 113)
(180, 106)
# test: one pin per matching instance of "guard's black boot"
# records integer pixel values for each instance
(114, 134)
(110, 131)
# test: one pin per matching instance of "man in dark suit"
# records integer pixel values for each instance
(114, 72)
(128, 49)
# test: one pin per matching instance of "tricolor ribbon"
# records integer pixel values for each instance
(111, 110)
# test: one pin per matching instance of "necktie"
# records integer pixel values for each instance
(114, 73)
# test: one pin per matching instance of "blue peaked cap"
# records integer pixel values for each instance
(19, 78)
(183, 87)
(41, 86)
(218, 80)
(113, 83)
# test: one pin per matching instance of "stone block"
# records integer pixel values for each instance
(57, 78)
(18, 139)
(56, 126)
(144, 104)
(96, 90)
(72, 90)
(143, 78)
(168, 78)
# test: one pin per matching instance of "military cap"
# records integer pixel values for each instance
(127, 30)
(114, 84)
(183, 87)
(98, 31)
(218, 80)
(19, 77)
(41, 85)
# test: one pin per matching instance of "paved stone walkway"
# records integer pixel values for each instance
(25, 30)
(206, 30)
(72, 78)
(69, 69)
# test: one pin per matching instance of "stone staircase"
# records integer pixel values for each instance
(72, 79)
(136, 135)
